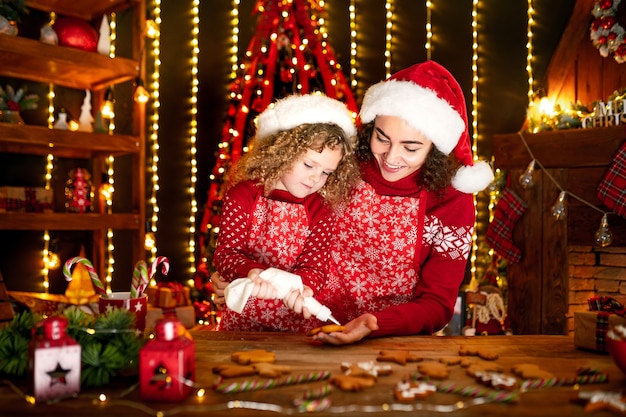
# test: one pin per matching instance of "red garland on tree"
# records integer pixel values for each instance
(288, 54)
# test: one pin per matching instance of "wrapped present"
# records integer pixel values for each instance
(54, 361)
(167, 364)
(168, 295)
(590, 327)
(27, 199)
(185, 314)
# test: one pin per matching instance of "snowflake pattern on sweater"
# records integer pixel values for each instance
(262, 232)
(379, 248)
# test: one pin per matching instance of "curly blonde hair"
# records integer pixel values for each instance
(273, 156)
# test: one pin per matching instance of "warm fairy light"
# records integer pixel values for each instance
(48, 178)
(529, 56)
(388, 36)
(353, 46)
(193, 135)
(474, 116)
(154, 32)
(429, 29)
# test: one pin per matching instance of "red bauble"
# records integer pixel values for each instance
(606, 4)
(608, 22)
(76, 33)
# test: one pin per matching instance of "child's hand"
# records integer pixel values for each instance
(295, 301)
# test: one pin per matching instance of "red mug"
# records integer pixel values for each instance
(138, 306)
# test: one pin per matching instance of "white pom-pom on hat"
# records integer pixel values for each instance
(295, 110)
(428, 97)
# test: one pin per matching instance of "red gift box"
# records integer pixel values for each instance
(54, 361)
(167, 364)
(28, 199)
(168, 295)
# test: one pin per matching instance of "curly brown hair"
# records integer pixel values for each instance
(275, 155)
(438, 168)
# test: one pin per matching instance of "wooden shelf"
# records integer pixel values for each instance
(84, 9)
(69, 221)
(559, 148)
(68, 67)
(37, 140)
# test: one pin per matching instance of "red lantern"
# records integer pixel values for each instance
(76, 33)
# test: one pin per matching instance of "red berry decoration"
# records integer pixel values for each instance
(606, 4)
(612, 36)
(608, 22)
(602, 40)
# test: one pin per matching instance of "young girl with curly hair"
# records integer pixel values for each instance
(281, 203)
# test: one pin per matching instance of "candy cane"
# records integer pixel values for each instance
(258, 384)
(90, 269)
(159, 260)
(140, 279)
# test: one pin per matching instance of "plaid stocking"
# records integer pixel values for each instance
(499, 235)
(612, 188)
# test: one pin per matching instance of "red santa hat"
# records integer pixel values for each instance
(296, 109)
(428, 97)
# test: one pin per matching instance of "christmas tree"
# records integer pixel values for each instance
(289, 54)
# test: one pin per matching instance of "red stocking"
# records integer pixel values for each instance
(499, 235)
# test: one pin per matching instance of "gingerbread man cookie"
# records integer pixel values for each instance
(401, 357)
(407, 391)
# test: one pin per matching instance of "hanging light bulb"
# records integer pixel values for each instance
(141, 94)
(150, 241)
(559, 209)
(152, 29)
(604, 237)
(526, 180)
(108, 107)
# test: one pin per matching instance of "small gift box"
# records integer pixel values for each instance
(590, 327)
(168, 295)
(26, 199)
(185, 314)
(167, 364)
(54, 361)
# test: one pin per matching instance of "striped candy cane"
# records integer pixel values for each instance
(95, 279)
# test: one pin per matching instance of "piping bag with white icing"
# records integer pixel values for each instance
(238, 292)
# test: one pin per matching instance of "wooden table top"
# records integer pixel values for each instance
(555, 354)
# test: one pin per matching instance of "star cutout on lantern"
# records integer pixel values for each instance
(161, 377)
(57, 375)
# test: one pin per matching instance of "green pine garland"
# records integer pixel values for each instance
(109, 344)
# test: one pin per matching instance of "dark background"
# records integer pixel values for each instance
(502, 97)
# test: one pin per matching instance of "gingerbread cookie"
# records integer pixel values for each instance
(497, 380)
(409, 391)
(234, 371)
(330, 328)
(530, 371)
(603, 401)
(271, 370)
(352, 383)
(366, 369)
(451, 361)
(434, 370)
(400, 357)
(477, 367)
(482, 353)
(248, 357)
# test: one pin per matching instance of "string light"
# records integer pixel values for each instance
(474, 115)
(110, 170)
(388, 36)
(193, 135)
(153, 31)
(603, 236)
(429, 29)
(529, 55)
(353, 46)
(527, 179)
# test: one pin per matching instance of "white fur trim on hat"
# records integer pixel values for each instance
(420, 107)
(295, 110)
(474, 178)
